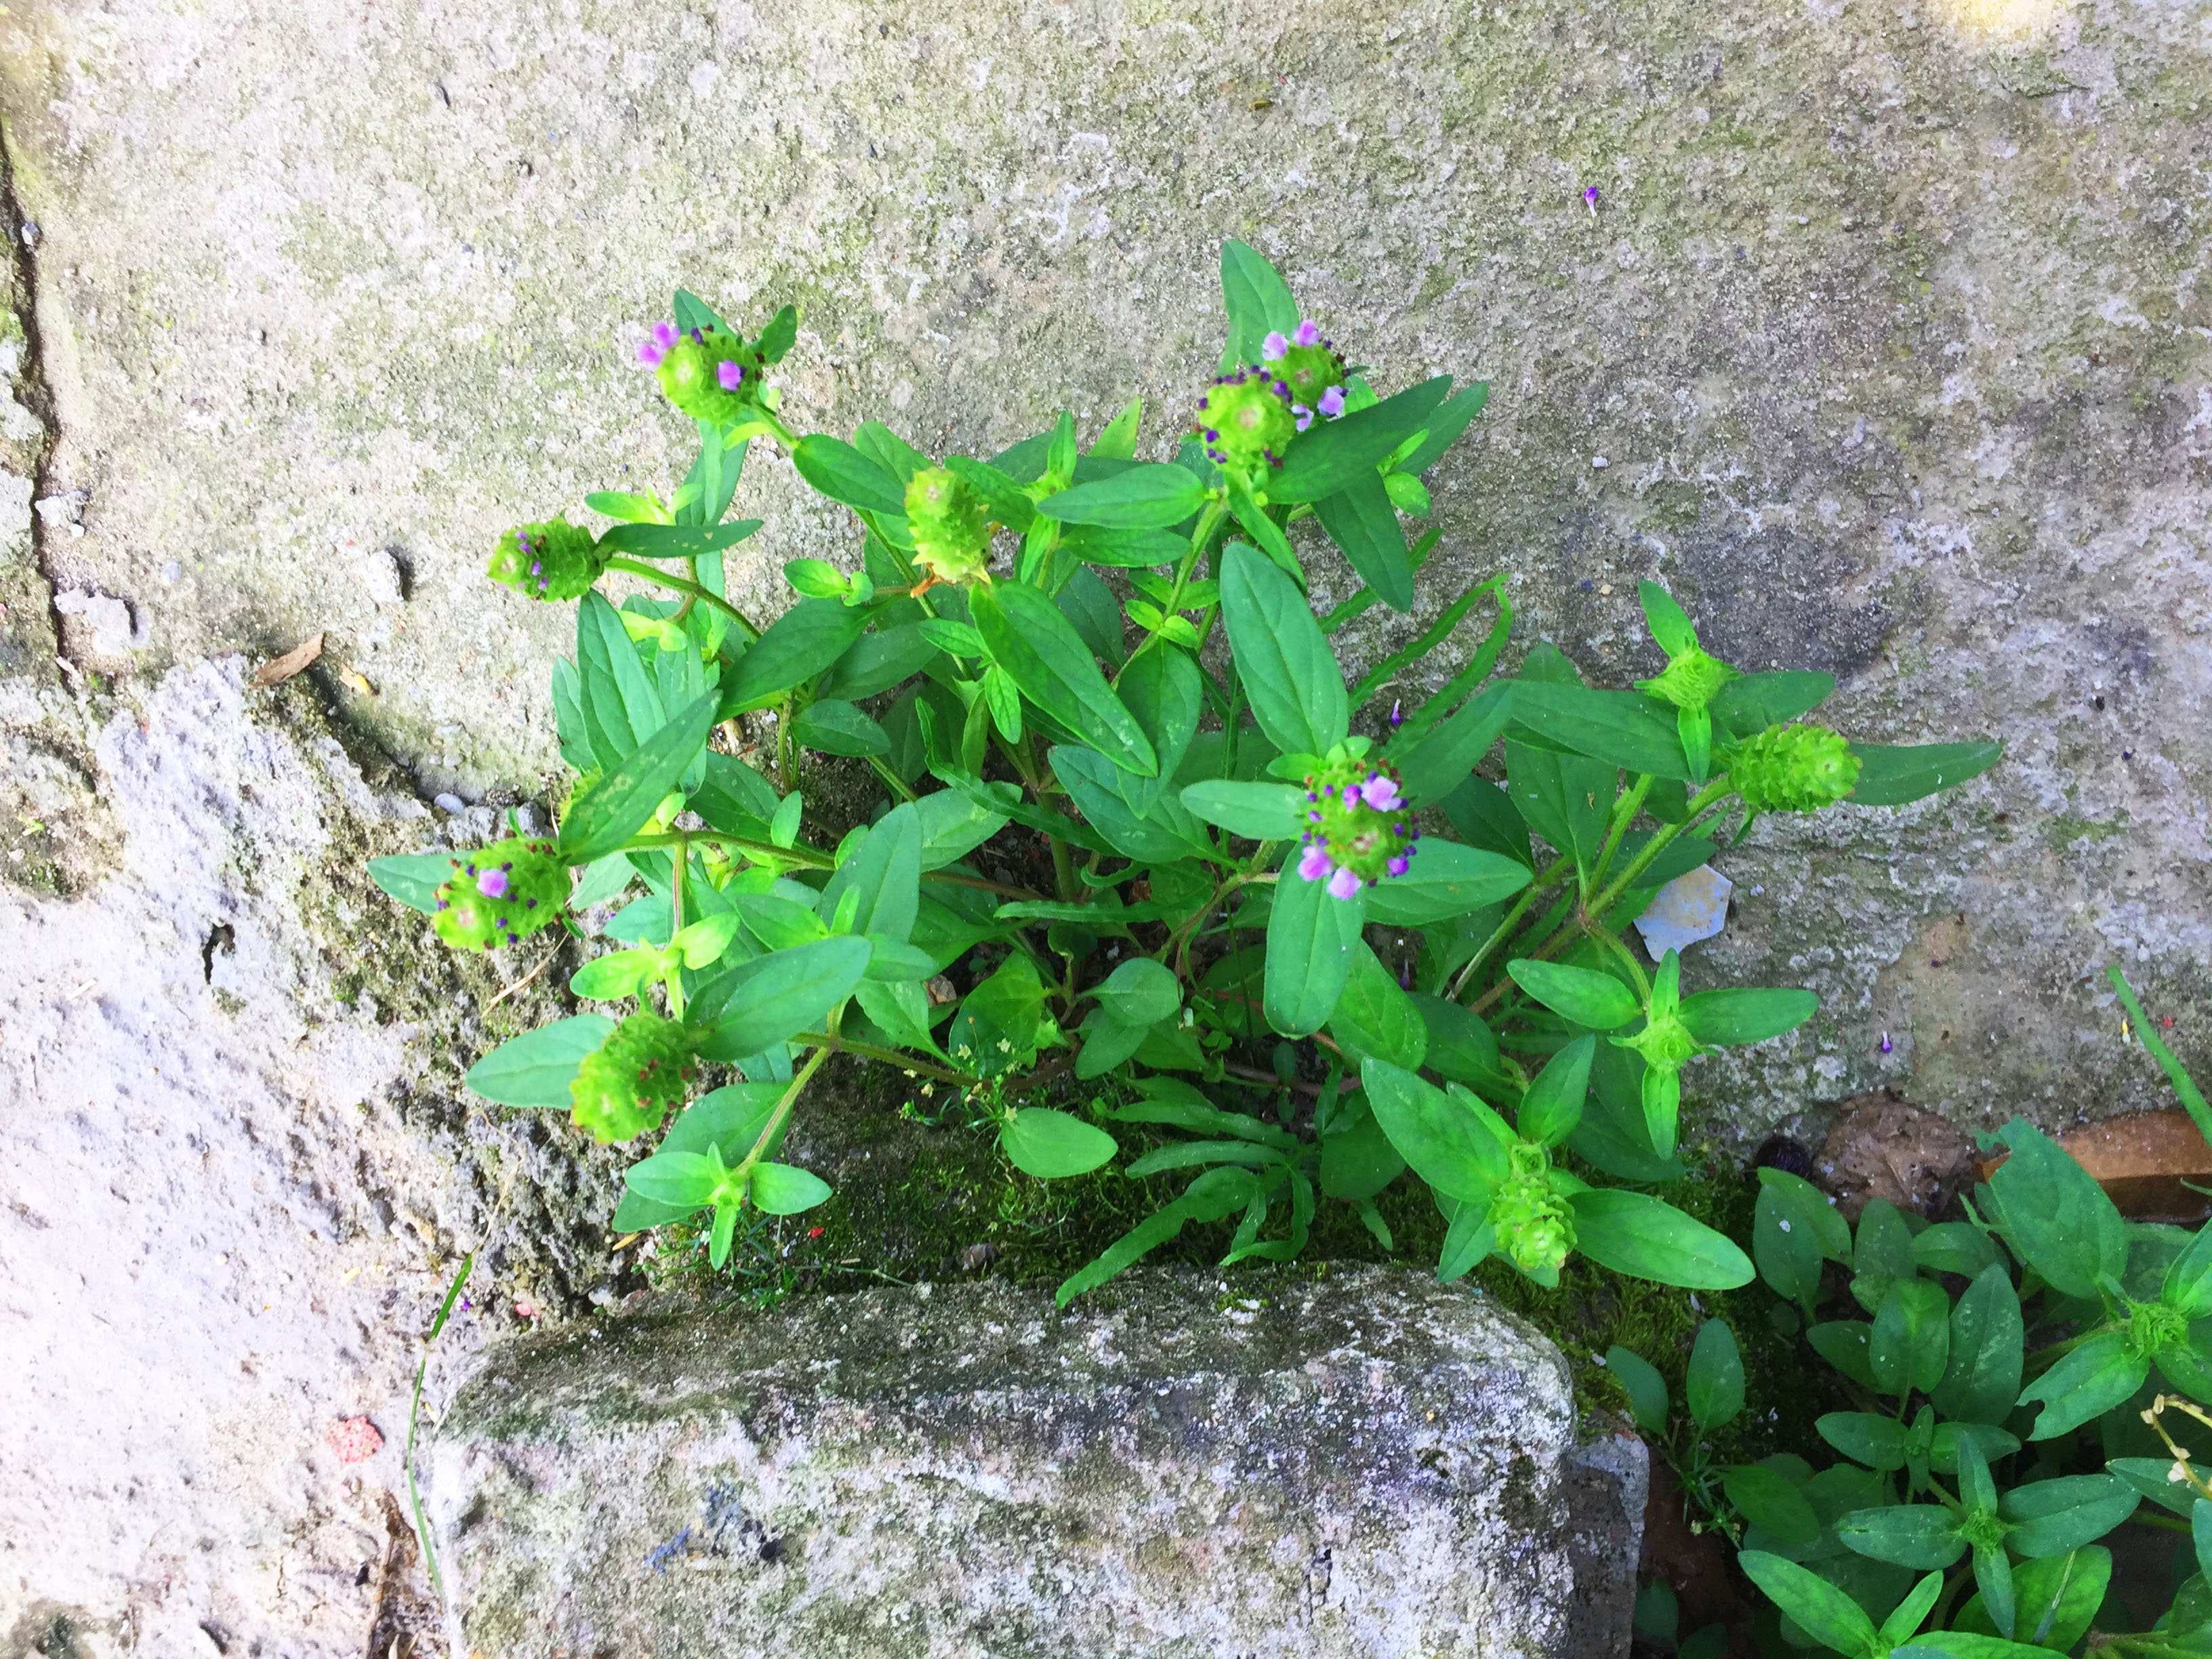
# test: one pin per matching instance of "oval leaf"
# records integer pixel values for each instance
(1635, 1234)
(536, 1068)
(1032, 639)
(1291, 676)
(1052, 1145)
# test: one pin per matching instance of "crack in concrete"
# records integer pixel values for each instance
(20, 234)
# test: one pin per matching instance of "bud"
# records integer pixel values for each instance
(709, 373)
(1692, 680)
(952, 532)
(628, 1084)
(1792, 769)
(1534, 1227)
(550, 561)
(1310, 371)
(1357, 826)
(1246, 419)
(500, 894)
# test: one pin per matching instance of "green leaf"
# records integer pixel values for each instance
(2055, 1600)
(1375, 1018)
(1267, 535)
(617, 974)
(1460, 1046)
(798, 645)
(1714, 1384)
(675, 1182)
(1911, 1342)
(1867, 1437)
(1445, 880)
(1770, 1501)
(1118, 442)
(1259, 303)
(1310, 940)
(1162, 688)
(1790, 1236)
(1842, 1344)
(1918, 1535)
(1747, 1014)
(1892, 776)
(1646, 1389)
(1357, 1158)
(414, 879)
(1635, 1234)
(2050, 1518)
(997, 1027)
(833, 728)
(1140, 992)
(1597, 1001)
(2087, 1383)
(1122, 548)
(780, 1189)
(1257, 812)
(1028, 635)
(1291, 676)
(1443, 427)
(842, 473)
(620, 707)
(1090, 781)
(890, 452)
(886, 871)
(2055, 1214)
(1622, 728)
(1330, 455)
(1151, 495)
(1362, 522)
(536, 1068)
(1051, 1144)
(1445, 1142)
(1826, 1613)
(774, 997)
(1553, 1106)
(676, 541)
(1106, 1043)
(617, 806)
(1954, 1247)
(1467, 1243)
(1748, 706)
(780, 336)
(953, 825)
(1089, 604)
(1179, 1105)
(1216, 1194)
(876, 662)
(1440, 762)
(1671, 629)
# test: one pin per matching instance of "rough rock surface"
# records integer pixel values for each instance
(1369, 1464)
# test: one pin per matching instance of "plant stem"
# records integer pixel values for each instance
(837, 1045)
(782, 1110)
(1624, 813)
(415, 1411)
(1209, 520)
(1550, 878)
(884, 772)
(808, 859)
(1610, 940)
(681, 856)
(694, 590)
(1700, 803)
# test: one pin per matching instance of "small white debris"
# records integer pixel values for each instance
(173, 571)
(1599, 463)
(106, 618)
(380, 575)
(452, 803)
(1783, 1225)
(1688, 908)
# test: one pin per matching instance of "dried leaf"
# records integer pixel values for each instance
(298, 658)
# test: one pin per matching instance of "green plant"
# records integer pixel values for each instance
(2004, 1375)
(1218, 834)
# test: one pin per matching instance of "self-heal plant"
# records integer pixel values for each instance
(1117, 661)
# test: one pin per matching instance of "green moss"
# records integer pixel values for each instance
(2061, 831)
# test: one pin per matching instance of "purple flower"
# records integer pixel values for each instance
(1351, 794)
(1309, 333)
(1887, 1045)
(1397, 719)
(1343, 884)
(650, 352)
(731, 375)
(1381, 792)
(1274, 347)
(1332, 402)
(1589, 200)
(1304, 414)
(492, 884)
(1399, 864)
(1313, 863)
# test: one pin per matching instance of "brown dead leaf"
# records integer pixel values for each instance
(1883, 1148)
(282, 669)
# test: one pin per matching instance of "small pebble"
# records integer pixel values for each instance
(1600, 462)
(452, 803)
(173, 571)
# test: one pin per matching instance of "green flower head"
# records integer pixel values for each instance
(1535, 1229)
(1247, 421)
(500, 894)
(1692, 680)
(709, 373)
(628, 1084)
(1792, 769)
(550, 561)
(952, 531)
(1309, 371)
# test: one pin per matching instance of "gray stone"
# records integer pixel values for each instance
(1366, 1463)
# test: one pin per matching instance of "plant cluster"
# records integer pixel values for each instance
(2012, 1374)
(1119, 657)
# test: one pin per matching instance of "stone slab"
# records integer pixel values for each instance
(1365, 1463)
